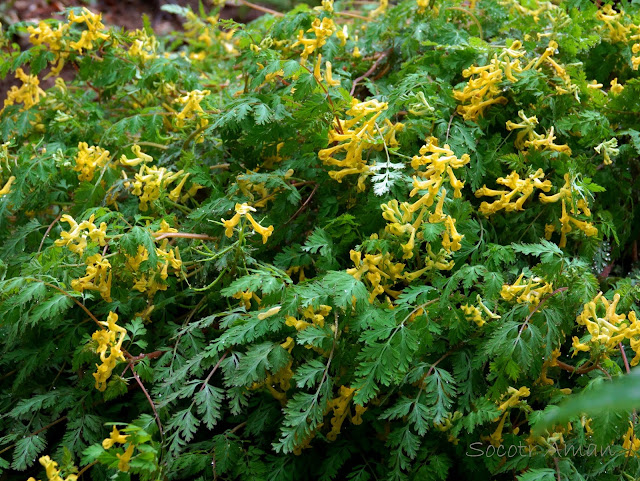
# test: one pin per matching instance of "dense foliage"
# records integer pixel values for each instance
(358, 241)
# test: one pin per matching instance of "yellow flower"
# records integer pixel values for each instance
(565, 195)
(271, 312)
(114, 437)
(630, 442)
(123, 464)
(608, 149)
(138, 159)
(616, 88)
(192, 106)
(529, 292)
(355, 136)
(245, 210)
(7, 186)
(134, 262)
(472, 313)
(340, 407)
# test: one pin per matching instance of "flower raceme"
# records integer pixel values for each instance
(97, 277)
(191, 102)
(607, 330)
(355, 136)
(521, 190)
(527, 137)
(244, 210)
(52, 471)
(106, 340)
(322, 29)
(88, 159)
(529, 292)
(29, 93)
(75, 239)
(565, 195)
(116, 438)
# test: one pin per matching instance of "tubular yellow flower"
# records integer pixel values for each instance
(616, 88)
(114, 437)
(138, 159)
(7, 186)
(245, 210)
(88, 159)
(192, 106)
(123, 463)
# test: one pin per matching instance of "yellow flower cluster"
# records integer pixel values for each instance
(616, 29)
(565, 195)
(610, 329)
(123, 459)
(245, 210)
(473, 314)
(76, 238)
(166, 257)
(139, 158)
(380, 271)
(149, 182)
(316, 317)
(97, 277)
(522, 187)
(144, 46)
(340, 408)
(328, 73)
(355, 136)
(88, 159)
(608, 149)
(55, 38)
(94, 25)
(29, 93)
(483, 88)
(322, 31)
(529, 292)
(527, 137)
(630, 442)
(191, 102)
(613, 28)
(513, 401)
(53, 473)
(106, 339)
(439, 167)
